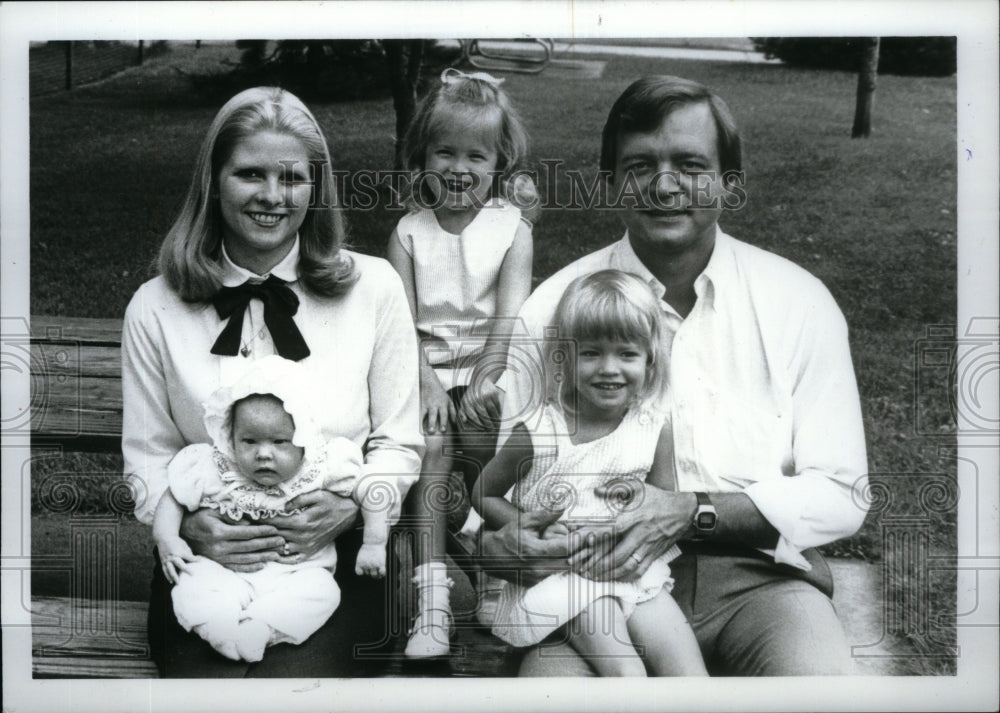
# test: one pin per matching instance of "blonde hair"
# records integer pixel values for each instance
(468, 102)
(189, 258)
(619, 306)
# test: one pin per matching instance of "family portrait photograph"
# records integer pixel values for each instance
(444, 356)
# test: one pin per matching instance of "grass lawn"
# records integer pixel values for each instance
(874, 219)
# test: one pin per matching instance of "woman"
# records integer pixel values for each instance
(254, 266)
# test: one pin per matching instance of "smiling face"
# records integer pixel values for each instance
(677, 169)
(262, 440)
(264, 194)
(466, 158)
(610, 374)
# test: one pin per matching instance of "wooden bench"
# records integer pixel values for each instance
(77, 407)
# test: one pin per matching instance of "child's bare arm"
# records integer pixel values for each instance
(499, 475)
(435, 406)
(372, 555)
(481, 403)
(662, 473)
(174, 552)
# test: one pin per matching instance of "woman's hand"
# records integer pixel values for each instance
(650, 521)
(480, 407)
(322, 517)
(237, 545)
(530, 547)
(436, 406)
(174, 556)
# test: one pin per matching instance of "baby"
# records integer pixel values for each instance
(266, 449)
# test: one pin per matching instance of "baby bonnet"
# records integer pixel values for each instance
(285, 379)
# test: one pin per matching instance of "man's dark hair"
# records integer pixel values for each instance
(648, 101)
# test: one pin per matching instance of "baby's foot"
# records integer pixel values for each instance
(222, 637)
(252, 638)
(371, 561)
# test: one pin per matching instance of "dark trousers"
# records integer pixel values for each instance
(354, 642)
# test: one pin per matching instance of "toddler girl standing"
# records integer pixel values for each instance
(598, 428)
(464, 254)
(266, 449)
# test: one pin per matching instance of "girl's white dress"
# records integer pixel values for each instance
(294, 600)
(455, 281)
(564, 476)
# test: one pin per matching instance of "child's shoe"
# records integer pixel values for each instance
(432, 628)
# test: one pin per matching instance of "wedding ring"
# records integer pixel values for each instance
(284, 550)
(635, 558)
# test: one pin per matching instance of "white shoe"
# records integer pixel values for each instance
(430, 635)
(432, 628)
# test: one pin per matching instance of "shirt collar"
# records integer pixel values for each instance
(286, 270)
(712, 283)
(625, 259)
(709, 283)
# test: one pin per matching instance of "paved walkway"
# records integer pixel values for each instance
(568, 50)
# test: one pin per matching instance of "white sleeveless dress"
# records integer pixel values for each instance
(456, 279)
(564, 475)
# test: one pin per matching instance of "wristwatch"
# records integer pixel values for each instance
(705, 517)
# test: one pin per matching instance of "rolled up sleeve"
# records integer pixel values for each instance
(825, 499)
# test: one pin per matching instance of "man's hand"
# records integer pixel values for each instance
(240, 546)
(650, 521)
(322, 518)
(527, 549)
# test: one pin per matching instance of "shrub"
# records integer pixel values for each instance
(918, 56)
(316, 70)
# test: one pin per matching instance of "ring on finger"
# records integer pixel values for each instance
(634, 557)
(284, 550)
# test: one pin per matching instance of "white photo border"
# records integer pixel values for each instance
(975, 24)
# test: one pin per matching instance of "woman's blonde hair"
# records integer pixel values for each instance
(468, 101)
(189, 258)
(618, 306)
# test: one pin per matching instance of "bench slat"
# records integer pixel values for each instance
(81, 667)
(85, 638)
(71, 361)
(78, 407)
(76, 398)
(100, 331)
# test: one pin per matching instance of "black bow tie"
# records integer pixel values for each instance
(280, 303)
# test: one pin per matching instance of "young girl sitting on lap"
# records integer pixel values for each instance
(266, 449)
(464, 255)
(598, 428)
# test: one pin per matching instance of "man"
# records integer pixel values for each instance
(769, 449)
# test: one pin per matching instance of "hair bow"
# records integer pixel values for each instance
(452, 75)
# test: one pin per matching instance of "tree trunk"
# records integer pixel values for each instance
(867, 72)
(403, 58)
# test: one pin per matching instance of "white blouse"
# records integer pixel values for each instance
(363, 365)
